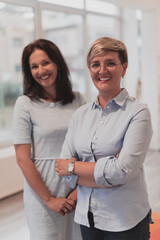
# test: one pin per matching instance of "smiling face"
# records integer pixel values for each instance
(43, 70)
(107, 74)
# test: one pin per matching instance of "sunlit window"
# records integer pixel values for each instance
(69, 3)
(102, 7)
(97, 28)
(65, 30)
(16, 31)
(73, 32)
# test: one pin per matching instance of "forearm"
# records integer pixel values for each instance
(87, 182)
(84, 169)
(85, 173)
(90, 182)
(35, 181)
(60, 205)
(73, 195)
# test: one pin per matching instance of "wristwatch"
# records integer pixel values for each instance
(71, 167)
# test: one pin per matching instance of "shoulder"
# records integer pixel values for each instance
(81, 114)
(137, 108)
(83, 110)
(23, 99)
(135, 104)
(23, 102)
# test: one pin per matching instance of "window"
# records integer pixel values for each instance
(71, 25)
(69, 3)
(96, 29)
(65, 30)
(17, 42)
(102, 7)
(18, 68)
(15, 32)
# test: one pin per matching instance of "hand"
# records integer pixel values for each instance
(73, 196)
(62, 166)
(61, 205)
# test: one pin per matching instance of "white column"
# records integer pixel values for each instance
(150, 71)
(129, 37)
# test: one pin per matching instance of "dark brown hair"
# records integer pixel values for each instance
(31, 88)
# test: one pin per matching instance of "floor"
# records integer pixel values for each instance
(12, 217)
(152, 170)
(13, 224)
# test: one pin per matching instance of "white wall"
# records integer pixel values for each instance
(150, 85)
(149, 71)
(11, 178)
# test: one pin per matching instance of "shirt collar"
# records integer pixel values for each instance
(120, 99)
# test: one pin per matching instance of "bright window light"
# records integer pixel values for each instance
(28, 15)
(68, 3)
(102, 7)
(139, 14)
(2, 5)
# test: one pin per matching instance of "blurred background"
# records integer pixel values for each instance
(73, 25)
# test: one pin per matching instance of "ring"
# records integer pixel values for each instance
(65, 210)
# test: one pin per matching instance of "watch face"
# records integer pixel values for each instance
(70, 168)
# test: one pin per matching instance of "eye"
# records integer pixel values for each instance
(111, 64)
(95, 65)
(46, 63)
(33, 66)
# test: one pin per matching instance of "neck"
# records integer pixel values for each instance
(50, 96)
(105, 98)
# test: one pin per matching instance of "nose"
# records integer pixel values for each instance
(40, 69)
(102, 68)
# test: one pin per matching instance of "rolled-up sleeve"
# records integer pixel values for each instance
(112, 170)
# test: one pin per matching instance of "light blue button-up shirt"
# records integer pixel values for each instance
(123, 127)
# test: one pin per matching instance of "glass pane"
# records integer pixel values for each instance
(99, 26)
(16, 30)
(102, 7)
(68, 3)
(65, 30)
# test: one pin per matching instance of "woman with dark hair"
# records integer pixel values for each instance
(41, 118)
(63, 87)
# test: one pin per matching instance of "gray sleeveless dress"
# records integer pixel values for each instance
(44, 126)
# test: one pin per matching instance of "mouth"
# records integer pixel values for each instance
(104, 79)
(45, 77)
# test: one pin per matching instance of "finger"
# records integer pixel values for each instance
(71, 202)
(66, 210)
(69, 207)
(62, 213)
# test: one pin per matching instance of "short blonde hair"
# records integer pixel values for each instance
(106, 44)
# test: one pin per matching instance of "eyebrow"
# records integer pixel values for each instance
(32, 64)
(107, 60)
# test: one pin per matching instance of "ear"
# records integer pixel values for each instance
(125, 65)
